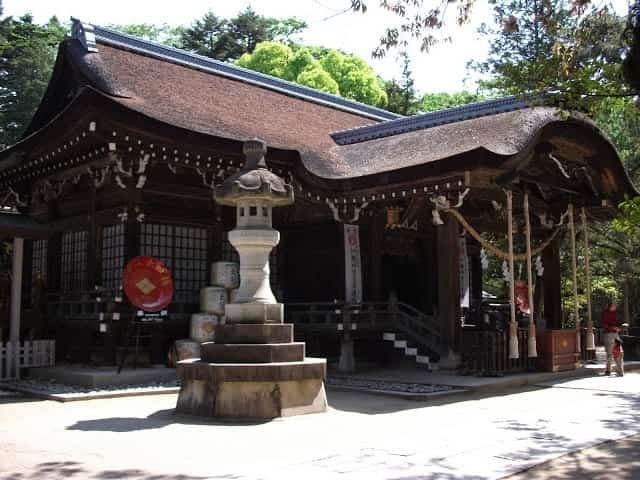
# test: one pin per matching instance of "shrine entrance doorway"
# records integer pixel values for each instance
(404, 275)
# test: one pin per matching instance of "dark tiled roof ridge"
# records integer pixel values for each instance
(199, 62)
(432, 119)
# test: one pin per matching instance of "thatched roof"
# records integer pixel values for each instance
(336, 139)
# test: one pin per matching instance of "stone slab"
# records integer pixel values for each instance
(254, 312)
(255, 333)
(309, 368)
(251, 399)
(252, 352)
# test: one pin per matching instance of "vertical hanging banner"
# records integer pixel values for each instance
(352, 264)
(463, 269)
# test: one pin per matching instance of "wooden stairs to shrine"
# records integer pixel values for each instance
(410, 350)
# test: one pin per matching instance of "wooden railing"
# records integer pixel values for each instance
(16, 355)
(397, 316)
(486, 352)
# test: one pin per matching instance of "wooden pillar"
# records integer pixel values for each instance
(591, 345)
(551, 285)
(430, 268)
(475, 263)
(93, 242)
(574, 275)
(448, 282)
(376, 239)
(17, 258)
(513, 326)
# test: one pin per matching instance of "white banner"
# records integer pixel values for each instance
(352, 264)
(465, 278)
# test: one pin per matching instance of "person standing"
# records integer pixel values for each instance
(609, 323)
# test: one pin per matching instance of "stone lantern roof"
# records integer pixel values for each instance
(254, 181)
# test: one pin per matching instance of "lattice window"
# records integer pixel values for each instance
(112, 256)
(74, 261)
(184, 252)
(39, 260)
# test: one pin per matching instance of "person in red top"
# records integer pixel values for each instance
(609, 323)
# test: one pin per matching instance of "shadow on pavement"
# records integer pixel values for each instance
(76, 470)
(156, 420)
(375, 404)
(612, 459)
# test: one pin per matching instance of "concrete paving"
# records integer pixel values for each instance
(477, 436)
(612, 460)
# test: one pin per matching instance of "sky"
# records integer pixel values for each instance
(443, 69)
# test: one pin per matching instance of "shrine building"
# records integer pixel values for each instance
(384, 238)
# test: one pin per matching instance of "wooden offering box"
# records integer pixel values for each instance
(557, 350)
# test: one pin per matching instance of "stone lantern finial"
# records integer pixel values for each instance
(254, 150)
(254, 182)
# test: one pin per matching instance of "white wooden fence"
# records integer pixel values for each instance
(16, 355)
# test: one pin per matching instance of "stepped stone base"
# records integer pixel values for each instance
(252, 390)
(254, 312)
(255, 333)
(252, 352)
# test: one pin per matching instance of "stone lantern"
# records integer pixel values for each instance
(253, 369)
(254, 191)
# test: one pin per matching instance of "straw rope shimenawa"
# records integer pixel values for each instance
(518, 257)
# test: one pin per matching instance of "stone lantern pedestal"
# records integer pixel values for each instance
(253, 369)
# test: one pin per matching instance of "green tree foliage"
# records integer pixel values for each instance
(432, 102)
(229, 39)
(271, 58)
(401, 94)
(164, 33)
(546, 46)
(355, 78)
(574, 53)
(27, 54)
(327, 70)
(316, 77)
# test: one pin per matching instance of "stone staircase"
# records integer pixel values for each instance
(409, 349)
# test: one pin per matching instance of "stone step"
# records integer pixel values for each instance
(400, 343)
(389, 336)
(254, 333)
(422, 359)
(411, 351)
(252, 353)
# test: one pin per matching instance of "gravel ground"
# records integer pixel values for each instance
(384, 385)
(54, 388)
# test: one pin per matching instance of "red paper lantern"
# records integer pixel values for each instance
(148, 284)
